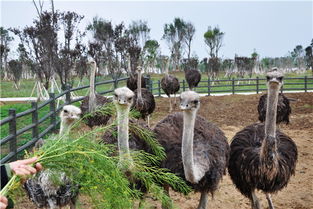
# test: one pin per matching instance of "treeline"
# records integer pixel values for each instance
(55, 45)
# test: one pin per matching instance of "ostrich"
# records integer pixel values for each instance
(193, 77)
(196, 149)
(132, 81)
(94, 101)
(41, 189)
(262, 157)
(170, 85)
(144, 100)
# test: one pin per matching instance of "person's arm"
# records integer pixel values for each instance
(3, 202)
(4, 176)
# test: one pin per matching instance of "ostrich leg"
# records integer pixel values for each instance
(203, 200)
(170, 104)
(254, 201)
(269, 200)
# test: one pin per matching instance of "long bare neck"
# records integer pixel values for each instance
(271, 110)
(139, 94)
(122, 130)
(92, 94)
(167, 67)
(192, 172)
(269, 146)
(64, 127)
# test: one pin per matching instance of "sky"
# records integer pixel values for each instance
(272, 28)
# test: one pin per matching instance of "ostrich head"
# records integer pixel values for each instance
(139, 69)
(274, 78)
(70, 114)
(189, 101)
(123, 97)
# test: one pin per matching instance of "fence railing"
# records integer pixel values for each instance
(207, 87)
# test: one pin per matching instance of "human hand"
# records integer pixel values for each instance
(3, 202)
(23, 167)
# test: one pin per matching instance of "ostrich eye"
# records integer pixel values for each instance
(115, 95)
(65, 111)
(280, 78)
(195, 102)
(268, 78)
(129, 99)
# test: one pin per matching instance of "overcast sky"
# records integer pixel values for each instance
(271, 27)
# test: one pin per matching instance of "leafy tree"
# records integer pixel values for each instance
(15, 68)
(139, 32)
(151, 50)
(189, 34)
(174, 35)
(4, 50)
(214, 39)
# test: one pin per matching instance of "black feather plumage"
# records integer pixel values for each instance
(170, 85)
(97, 118)
(246, 169)
(147, 105)
(193, 77)
(283, 109)
(210, 145)
(131, 82)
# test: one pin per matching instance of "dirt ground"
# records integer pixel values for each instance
(231, 114)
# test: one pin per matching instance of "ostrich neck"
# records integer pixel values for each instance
(64, 127)
(271, 110)
(139, 95)
(122, 130)
(92, 94)
(268, 149)
(192, 172)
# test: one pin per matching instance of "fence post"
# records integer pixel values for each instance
(159, 87)
(257, 84)
(305, 83)
(151, 86)
(35, 120)
(52, 110)
(209, 87)
(115, 83)
(233, 85)
(184, 85)
(12, 129)
(68, 95)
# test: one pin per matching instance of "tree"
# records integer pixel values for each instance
(15, 68)
(174, 35)
(151, 50)
(139, 31)
(4, 50)
(309, 57)
(189, 34)
(214, 39)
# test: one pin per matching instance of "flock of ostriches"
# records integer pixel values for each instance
(260, 157)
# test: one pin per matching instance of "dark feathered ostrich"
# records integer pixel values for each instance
(262, 157)
(193, 77)
(132, 81)
(283, 109)
(196, 149)
(170, 85)
(42, 189)
(94, 101)
(144, 100)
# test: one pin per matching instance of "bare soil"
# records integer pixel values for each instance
(231, 114)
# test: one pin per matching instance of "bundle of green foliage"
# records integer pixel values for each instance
(96, 168)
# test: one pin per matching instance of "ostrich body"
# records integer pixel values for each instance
(196, 150)
(283, 108)
(193, 77)
(132, 81)
(42, 189)
(144, 100)
(170, 85)
(262, 157)
(94, 101)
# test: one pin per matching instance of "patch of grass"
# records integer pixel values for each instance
(308, 106)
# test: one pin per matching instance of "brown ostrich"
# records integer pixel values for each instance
(193, 77)
(93, 102)
(170, 85)
(196, 149)
(132, 81)
(144, 100)
(262, 157)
